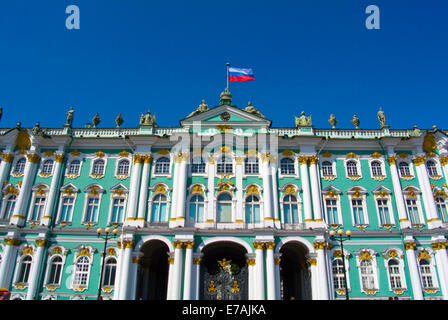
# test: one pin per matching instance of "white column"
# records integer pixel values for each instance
(442, 265)
(19, 214)
(303, 161)
(211, 192)
(36, 268)
(188, 271)
(8, 261)
(133, 190)
(274, 185)
(182, 189)
(239, 172)
(143, 199)
(398, 193)
(133, 277)
(259, 271)
(117, 284)
(196, 277)
(320, 246)
(427, 195)
(413, 270)
(251, 276)
(174, 193)
(314, 276)
(51, 198)
(267, 192)
(277, 260)
(270, 271)
(5, 166)
(169, 294)
(126, 269)
(315, 189)
(177, 272)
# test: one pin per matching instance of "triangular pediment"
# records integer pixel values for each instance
(226, 115)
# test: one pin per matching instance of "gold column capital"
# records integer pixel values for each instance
(250, 262)
(197, 260)
(7, 157)
(439, 245)
(269, 245)
(313, 159)
(319, 245)
(312, 261)
(59, 158)
(444, 160)
(12, 242)
(419, 160)
(128, 244)
(170, 260)
(277, 261)
(33, 158)
(41, 242)
(410, 245)
(303, 160)
(138, 158)
(392, 160)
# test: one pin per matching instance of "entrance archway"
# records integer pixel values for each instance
(224, 274)
(295, 276)
(152, 278)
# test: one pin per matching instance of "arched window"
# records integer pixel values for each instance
(117, 210)
(426, 274)
(224, 166)
(403, 166)
(24, 270)
(197, 208)
(327, 168)
(110, 269)
(123, 168)
(338, 274)
(38, 208)
(74, 166)
(432, 168)
(287, 166)
(352, 168)
(224, 206)
(159, 209)
(290, 209)
(252, 209)
(20, 166)
(47, 166)
(82, 269)
(162, 166)
(394, 274)
(441, 209)
(251, 165)
(98, 167)
(54, 276)
(198, 165)
(367, 275)
(9, 209)
(376, 169)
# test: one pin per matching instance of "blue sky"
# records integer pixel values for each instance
(166, 56)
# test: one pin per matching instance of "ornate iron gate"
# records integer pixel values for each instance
(224, 281)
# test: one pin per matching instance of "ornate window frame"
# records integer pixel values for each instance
(255, 161)
(367, 254)
(358, 193)
(117, 166)
(413, 193)
(98, 156)
(291, 189)
(233, 201)
(352, 157)
(253, 189)
(92, 191)
(157, 157)
(55, 251)
(332, 160)
(395, 254)
(437, 167)
(38, 190)
(331, 192)
(8, 191)
(68, 190)
(111, 253)
(14, 164)
(441, 193)
(25, 250)
(336, 254)
(229, 156)
(47, 157)
(75, 155)
(383, 193)
(79, 252)
(295, 163)
(428, 254)
(118, 191)
(383, 175)
(410, 167)
(159, 188)
(194, 190)
(204, 161)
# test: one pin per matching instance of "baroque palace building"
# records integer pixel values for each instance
(225, 206)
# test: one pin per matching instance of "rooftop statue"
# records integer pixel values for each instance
(1, 113)
(250, 108)
(69, 121)
(356, 121)
(225, 97)
(202, 108)
(119, 120)
(303, 121)
(332, 121)
(382, 118)
(96, 120)
(148, 119)
(416, 132)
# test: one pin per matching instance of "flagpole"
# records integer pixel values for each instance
(227, 64)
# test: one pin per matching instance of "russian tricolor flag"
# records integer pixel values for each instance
(240, 74)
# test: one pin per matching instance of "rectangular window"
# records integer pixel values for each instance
(358, 213)
(92, 210)
(117, 210)
(383, 211)
(38, 209)
(332, 211)
(413, 211)
(67, 209)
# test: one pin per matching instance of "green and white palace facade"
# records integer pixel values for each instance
(223, 206)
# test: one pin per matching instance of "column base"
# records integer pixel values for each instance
(434, 223)
(268, 223)
(17, 220)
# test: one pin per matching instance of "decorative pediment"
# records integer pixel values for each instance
(331, 192)
(381, 191)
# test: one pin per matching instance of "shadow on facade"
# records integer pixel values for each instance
(295, 276)
(152, 278)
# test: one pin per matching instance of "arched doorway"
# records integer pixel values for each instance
(152, 278)
(224, 274)
(295, 276)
